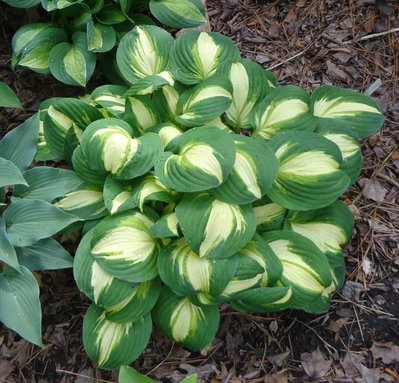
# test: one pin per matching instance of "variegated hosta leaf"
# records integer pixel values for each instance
(150, 84)
(184, 322)
(309, 174)
(179, 14)
(108, 146)
(140, 113)
(140, 302)
(62, 115)
(149, 150)
(197, 56)
(360, 112)
(269, 215)
(98, 285)
(112, 344)
(204, 160)
(169, 135)
(144, 52)
(187, 274)
(165, 101)
(305, 268)
(91, 177)
(110, 14)
(213, 228)
(150, 188)
(263, 299)
(123, 246)
(257, 266)
(251, 83)
(72, 64)
(111, 98)
(85, 202)
(100, 37)
(329, 228)
(32, 44)
(254, 172)
(118, 195)
(346, 140)
(205, 102)
(166, 227)
(285, 108)
(51, 5)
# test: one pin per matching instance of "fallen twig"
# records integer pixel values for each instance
(371, 36)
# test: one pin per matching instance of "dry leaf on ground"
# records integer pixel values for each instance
(373, 189)
(315, 364)
(388, 352)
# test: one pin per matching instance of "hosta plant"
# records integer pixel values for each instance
(67, 45)
(205, 182)
(28, 221)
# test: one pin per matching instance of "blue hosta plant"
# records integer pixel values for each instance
(28, 220)
(67, 46)
(205, 182)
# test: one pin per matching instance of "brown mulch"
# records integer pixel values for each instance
(307, 43)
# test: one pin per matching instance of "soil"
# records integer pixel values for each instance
(307, 43)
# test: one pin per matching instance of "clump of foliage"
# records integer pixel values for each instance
(67, 46)
(205, 182)
(28, 221)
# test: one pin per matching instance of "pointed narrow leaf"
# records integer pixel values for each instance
(42, 185)
(46, 254)
(28, 221)
(130, 375)
(10, 174)
(19, 145)
(7, 251)
(85, 202)
(20, 305)
(8, 98)
(179, 14)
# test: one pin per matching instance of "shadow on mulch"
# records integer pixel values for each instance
(307, 43)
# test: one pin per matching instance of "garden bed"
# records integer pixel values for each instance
(307, 43)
